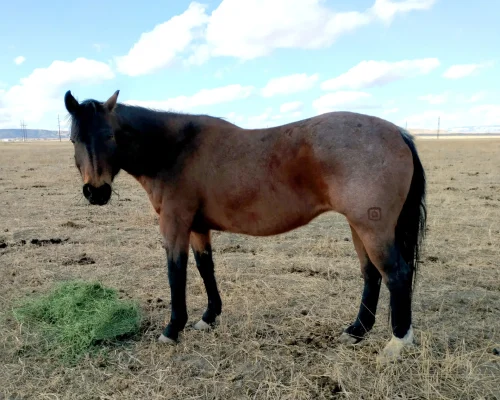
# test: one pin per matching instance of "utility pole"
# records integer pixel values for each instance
(59, 124)
(23, 128)
(439, 124)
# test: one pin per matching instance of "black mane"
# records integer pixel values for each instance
(142, 119)
(152, 141)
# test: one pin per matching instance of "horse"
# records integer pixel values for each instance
(203, 173)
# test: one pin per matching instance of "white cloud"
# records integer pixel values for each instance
(235, 118)
(292, 106)
(289, 84)
(231, 30)
(486, 114)
(473, 98)
(204, 97)
(447, 97)
(377, 73)
(337, 101)
(19, 60)
(160, 47)
(480, 115)
(200, 55)
(261, 120)
(390, 111)
(387, 9)
(435, 98)
(463, 70)
(429, 119)
(287, 24)
(43, 90)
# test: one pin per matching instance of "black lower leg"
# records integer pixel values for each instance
(399, 283)
(205, 264)
(177, 279)
(369, 300)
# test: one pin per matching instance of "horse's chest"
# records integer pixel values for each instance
(155, 191)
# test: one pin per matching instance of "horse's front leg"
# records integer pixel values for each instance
(176, 242)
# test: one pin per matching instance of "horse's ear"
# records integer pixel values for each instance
(111, 102)
(71, 103)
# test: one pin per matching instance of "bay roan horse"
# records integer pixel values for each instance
(203, 173)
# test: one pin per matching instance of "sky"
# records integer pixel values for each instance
(257, 63)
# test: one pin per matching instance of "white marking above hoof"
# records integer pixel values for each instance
(167, 340)
(201, 326)
(392, 350)
(345, 338)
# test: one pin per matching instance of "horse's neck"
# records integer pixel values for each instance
(145, 148)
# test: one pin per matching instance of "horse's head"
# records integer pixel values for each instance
(95, 147)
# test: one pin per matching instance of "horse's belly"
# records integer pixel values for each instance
(267, 216)
(273, 225)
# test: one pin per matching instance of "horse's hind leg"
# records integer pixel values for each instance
(369, 299)
(397, 275)
(202, 249)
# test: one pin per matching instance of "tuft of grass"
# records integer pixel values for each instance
(77, 317)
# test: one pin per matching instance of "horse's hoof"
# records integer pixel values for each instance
(201, 326)
(345, 338)
(167, 340)
(392, 351)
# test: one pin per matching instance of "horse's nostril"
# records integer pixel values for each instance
(106, 190)
(87, 191)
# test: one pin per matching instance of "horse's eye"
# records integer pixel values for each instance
(72, 141)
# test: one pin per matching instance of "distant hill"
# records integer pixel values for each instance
(466, 130)
(32, 134)
(476, 129)
(37, 134)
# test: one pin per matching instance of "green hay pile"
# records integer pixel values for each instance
(76, 317)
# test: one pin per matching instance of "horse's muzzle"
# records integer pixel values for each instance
(97, 195)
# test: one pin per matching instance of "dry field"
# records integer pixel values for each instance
(285, 298)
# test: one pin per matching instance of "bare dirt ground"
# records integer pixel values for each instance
(285, 298)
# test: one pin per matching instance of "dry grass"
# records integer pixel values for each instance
(285, 299)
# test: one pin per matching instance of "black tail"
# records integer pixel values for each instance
(410, 229)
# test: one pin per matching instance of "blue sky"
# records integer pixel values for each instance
(256, 62)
